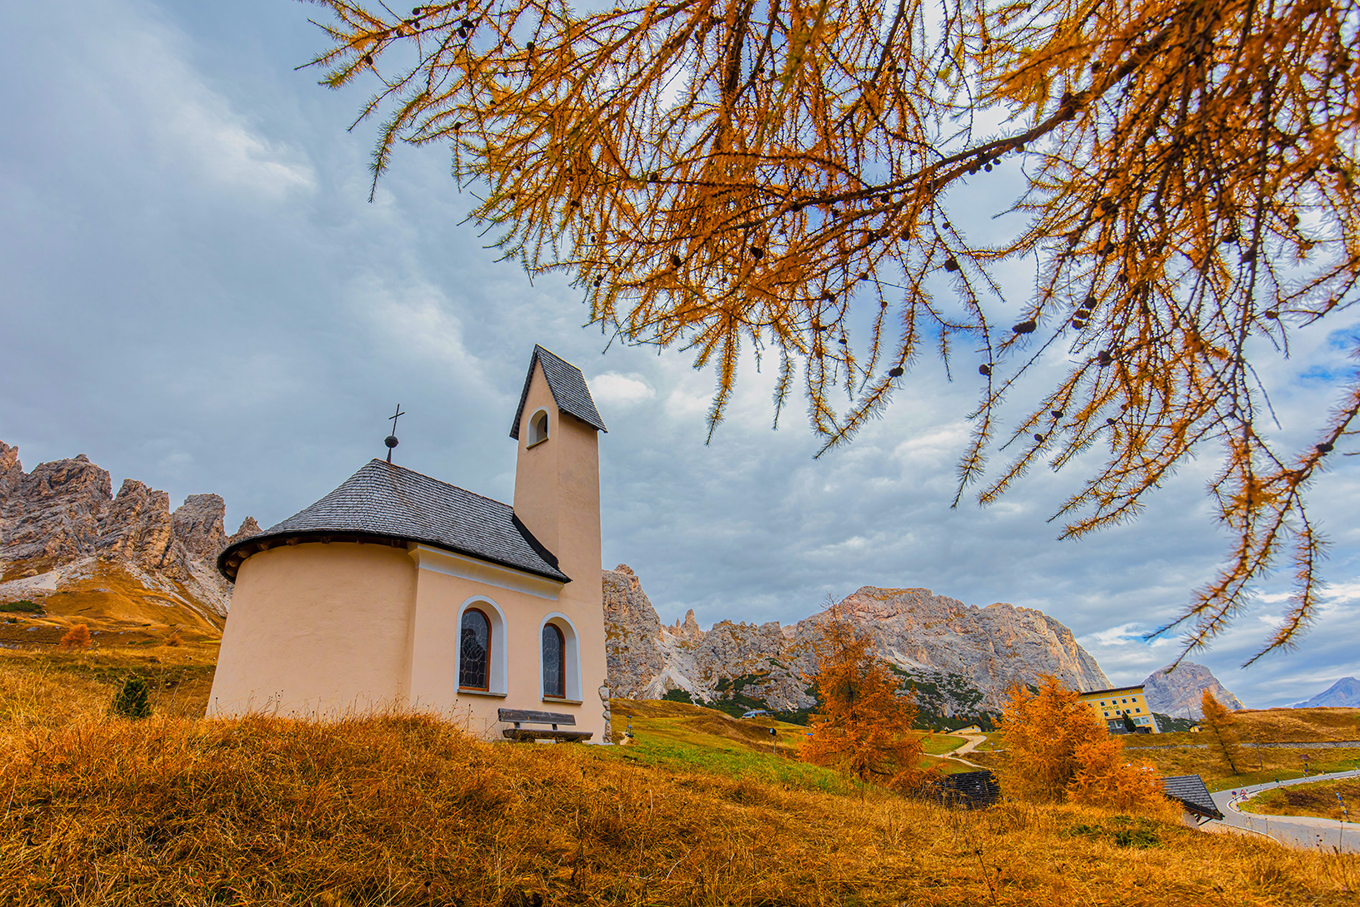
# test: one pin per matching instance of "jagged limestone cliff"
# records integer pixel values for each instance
(67, 540)
(961, 658)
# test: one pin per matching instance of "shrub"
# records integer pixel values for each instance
(1123, 831)
(78, 637)
(174, 639)
(131, 701)
(21, 607)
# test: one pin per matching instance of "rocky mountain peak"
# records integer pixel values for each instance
(65, 511)
(689, 629)
(11, 471)
(248, 528)
(1178, 692)
(963, 656)
(198, 524)
(1345, 693)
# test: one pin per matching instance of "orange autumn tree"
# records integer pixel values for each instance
(78, 637)
(862, 725)
(822, 183)
(1219, 722)
(1057, 748)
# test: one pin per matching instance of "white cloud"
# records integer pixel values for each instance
(1121, 635)
(176, 462)
(125, 83)
(413, 319)
(614, 389)
(202, 132)
(682, 405)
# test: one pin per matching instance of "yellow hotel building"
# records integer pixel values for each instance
(1112, 705)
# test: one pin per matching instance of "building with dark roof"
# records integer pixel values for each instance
(398, 590)
(1193, 796)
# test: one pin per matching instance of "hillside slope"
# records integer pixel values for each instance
(406, 811)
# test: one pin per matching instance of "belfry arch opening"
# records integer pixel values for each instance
(538, 428)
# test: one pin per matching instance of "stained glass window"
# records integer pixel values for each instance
(554, 662)
(474, 656)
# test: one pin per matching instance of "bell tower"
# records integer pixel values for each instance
(557, 472)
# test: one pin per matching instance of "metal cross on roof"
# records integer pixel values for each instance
(391, 440)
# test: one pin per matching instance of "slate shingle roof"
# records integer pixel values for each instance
(1190, 792)
(568, 388)
(970, 790)
(392, 502)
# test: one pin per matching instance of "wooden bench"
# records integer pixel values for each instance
(529, 716)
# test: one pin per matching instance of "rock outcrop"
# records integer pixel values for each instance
(961, 658)
(1345, 693)
(631, 630)
(63, 514)
(1178, 692)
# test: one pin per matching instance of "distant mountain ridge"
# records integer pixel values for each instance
(1345, 693)
(63, 532)
(1179, 692)
(961, 658)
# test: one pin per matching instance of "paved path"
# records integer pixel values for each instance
(970, 744)
(1295, 831)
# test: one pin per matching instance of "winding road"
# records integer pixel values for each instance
(1295, 831)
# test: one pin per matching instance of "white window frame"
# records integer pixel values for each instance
(571, 651)
(498, 673)
(531, 438)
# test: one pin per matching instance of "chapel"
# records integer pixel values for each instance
(398, 590)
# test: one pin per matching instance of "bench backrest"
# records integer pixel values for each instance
(529, 716)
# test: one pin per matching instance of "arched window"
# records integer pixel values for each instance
(559, 658)
(538, 428)
(474, 655)
(554, 663)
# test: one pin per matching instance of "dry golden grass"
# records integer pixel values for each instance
(1257, 765)
(407, 810)
(48, 688)
(1188, 753)
(372, 811)
(690, 723)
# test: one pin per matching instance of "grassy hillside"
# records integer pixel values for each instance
(117, 606)
(48, 688)
(407, 810)
(1278, 726)
(1190, 755)
(1310, 800)
(678, 732)
(1255, 766)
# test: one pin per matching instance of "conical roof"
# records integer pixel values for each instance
(386, 501)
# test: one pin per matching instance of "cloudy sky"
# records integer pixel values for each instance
(195, 292)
